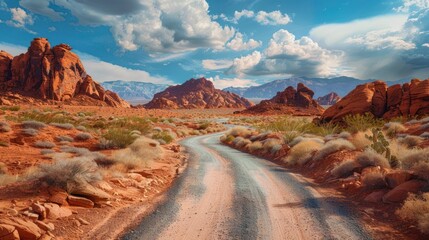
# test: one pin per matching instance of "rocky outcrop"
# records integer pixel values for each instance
(52, 74)
(407, 100)
(329, 99)
(291, 101)
(196, 93)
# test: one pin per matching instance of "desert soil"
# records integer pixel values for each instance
(227, 194)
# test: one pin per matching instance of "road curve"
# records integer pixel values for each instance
(227, 194)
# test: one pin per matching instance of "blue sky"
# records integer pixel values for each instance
(231, 42)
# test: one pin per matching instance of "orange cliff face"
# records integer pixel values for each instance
(52, 74)
(196, 93)
(407, 100)
(291, 101)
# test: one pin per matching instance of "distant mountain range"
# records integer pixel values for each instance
(320, 86)
(132, 90)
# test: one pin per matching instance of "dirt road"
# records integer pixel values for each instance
(227, 194)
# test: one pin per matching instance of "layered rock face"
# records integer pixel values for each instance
(196, 93)
(407, 100)
(52, 74)
(291, 101)
(329, 99)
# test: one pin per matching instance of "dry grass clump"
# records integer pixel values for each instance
(33, 124)
(374, 180)
(243, 143)
(5, 127)
(164, 137)
(425, 135)
(410, 141)
(269, 143)
(64, 138)
(332, 147)
(84, 136)
(30, 132)
(81, 128)
(67, 126)
(302, 152)
(416, 209)
(357, 122)
(345, 168)
(299, 139)
(371, 158)
(239, 132)
(44, 144)
(393, 128)
(360, 141)
(237, 140)
(46, 151)
(119, 138)
(68, 173)
(417, 161)
(424, 126)
(6, 179)
(255, 146)
(142, 151)
(105, 144)
(3, 168)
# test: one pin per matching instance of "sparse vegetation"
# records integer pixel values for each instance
(416, 209)
(393, 128)
(119, 138)
(68, 173)
(333, 146)
(164, 137)
(83, 136)
(410, 141)
(44, 144)
(345, 168)
(5, 127)
(67, 126)
(139, 153)
(357, 122)
(302, 152)
(33, 125)
(371, 158)
(30, 132)
(64, 138)
(418, 161)
(382, 146)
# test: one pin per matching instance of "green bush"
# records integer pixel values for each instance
(358, 122)
(119, 137)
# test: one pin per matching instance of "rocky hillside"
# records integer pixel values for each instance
(196, 93)
(320, 86)
(133, 90)
(291, 101)
(410, 99)
(51, 74)
(329, 99)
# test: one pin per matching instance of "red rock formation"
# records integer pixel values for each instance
(51, 74)
(196, 93)
(408, 100)
(329, 99)
(291, 101)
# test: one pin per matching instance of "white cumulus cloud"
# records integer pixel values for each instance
(239, 44)
(211, 64)
(272, 18)
(221, 83)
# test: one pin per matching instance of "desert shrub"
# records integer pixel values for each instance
(357, 122)
(417, 161)
(142, 151)
(371, 158)
(393, 128)
(302, 152)
(11, 108)
(64, 138)
(67, 126)
(46, 151)
(81, 128)
(68, 173)
(299, 139)
(333, 146)
(255, 146)
(6, 179)
(83, 136)
(243, 143)
(5, 127)
(105, 144)
(269, 143)
(239, 132)
(259, 136)
(44, 144)
(425, 135)
(33, 124)
(374, 180)
(166, 137)
(237, 140)
(360, 141)
(424, 126)
(4, 143)
(136, 133)
(344, 169)
(410, 141)
(3, 168)
(119, 137)
(345, 135)
(30, 132)
(276, 148)
(203, 126)
(416, 209)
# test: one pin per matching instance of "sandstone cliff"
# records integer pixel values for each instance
(52, 74)
(329, 99)
(196, 93)
(291, 101)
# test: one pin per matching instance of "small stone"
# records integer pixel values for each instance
(80, 202)
(83, 221)
(45, 226)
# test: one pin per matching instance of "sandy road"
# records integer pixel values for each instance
(227, 194)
